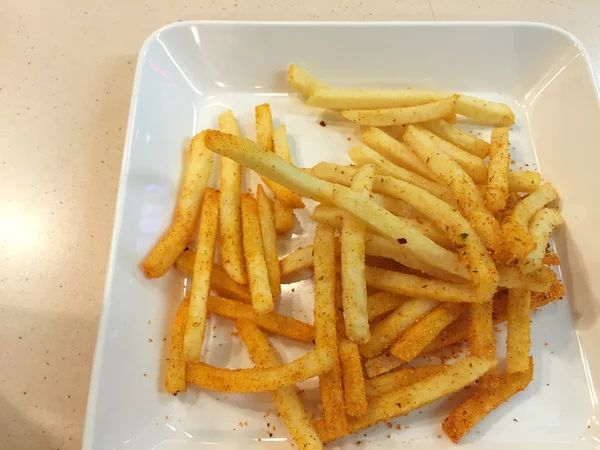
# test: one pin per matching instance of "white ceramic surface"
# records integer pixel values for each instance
(189, 72)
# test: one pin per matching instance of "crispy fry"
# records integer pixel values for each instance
(484, 111)
(389, 329)
(540, 229)
(482, 343)
(398, 116)
(499, 167)
(256, 266)
(526, 181)
(364, 155)
(220, 281)
(518, 338)
(354, 288)
(284, 215)
(412, 342)
(302, 81)
(175, 381)
(468, 197)
(341, 99)
(395, 151)
(458, 137)
(310, 365)
(396, 206)
(288, 405)
(230, 223)
(512, 277)
(332, 395)
(518, 242)
(272, 322)
(166, 251)
(269, 239)
(296, 261)
(384, 384)
(354, 381)
(207, 238)
(475, 408)
(382, 303)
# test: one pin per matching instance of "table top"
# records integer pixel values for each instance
(67, 73)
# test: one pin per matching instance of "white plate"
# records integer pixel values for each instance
(189, 72)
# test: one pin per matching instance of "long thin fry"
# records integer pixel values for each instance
(207, 238)
(525, 181)
(403, 377)
(382, 303)
(297, 260)
(540, 229)
(458, 137)
(302, 81)
(166, 251)
(284, 215)
(485, 111)
(175, 381)
(355, 394)
(369, 98)
(269, 239)
(482, 343)
(518, 337)
(230, 223)
(288, 405)
(497, 186)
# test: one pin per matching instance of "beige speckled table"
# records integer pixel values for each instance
(67, 72)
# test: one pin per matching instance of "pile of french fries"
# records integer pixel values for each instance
(429, 241)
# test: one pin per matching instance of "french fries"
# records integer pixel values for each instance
(296, 261)
(398, 116)
(176, 370)
(497, 186)
(384, 384)
(205, 254)
(354, 382)
(518, 338)
(382, 303)
(288, 405)
(341, 99)
(230, 223)
(269, 240)
(482, 343)
(526, 181)
(541, 227)
(256, 266)
(458, 137)
(284, 215)
(302, 81)
(486, 112)
(166, 251)
(354, 287)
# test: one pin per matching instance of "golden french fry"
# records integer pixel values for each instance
(176, 369)
(397, 116)
(302, 81)
(382, 303)
(284, 215)
(482, 343)
(297, 260)
(518, 242)
(451, 118)
(288, 405)
(497, 187)
(341, 99)
(354, 288)
(390, 328)
(264, 126)
(330, 383)
(474, 409)
(269, 239)
(166, 251)
(213, 378)
(513, 278)
(364, 155)
(518, 337)
(384, 384)
(207, 239)
(272, 322)
(256, 266)
(230, 223)
(395, 151)
(382, 364)
(354, 382)
(526, 181)
(412, 342)
(489, 113)
(458, 137)
(396, 206)
(540, 229)
(468, 197)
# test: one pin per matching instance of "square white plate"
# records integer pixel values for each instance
(189, 72)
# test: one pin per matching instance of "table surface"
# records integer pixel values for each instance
(65, 83)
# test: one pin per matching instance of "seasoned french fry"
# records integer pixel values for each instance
(540, 229)
(395, 151)
(296, 261)
(354, 288)
(354, 382)
(364, 155)
(458, 137)
(176, 369)
(412, 342)
(499, 167)
(382, 364)
(390, 328)
(481, 337)
(220, 281)
(515, 227)
(474, 409)
(207, 238)
(384, 384)
(213, 378)
(468, 197)
(256, 266)
(341, 99)
(230, 223)
(512, 277)
(302, 81)
(526, 181)
(484, 111)
(288, 405)
(272, 322)
(330, 383)
(269, 239)
(284, 215)
(397, 116)
(396, 206)
(382, 303)
(166, 251)
(518, 337)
